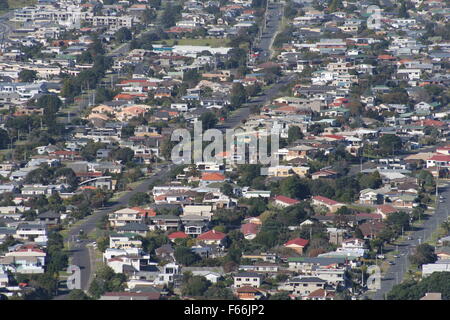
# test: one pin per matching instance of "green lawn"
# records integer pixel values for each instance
(213, 42)
(13, 4)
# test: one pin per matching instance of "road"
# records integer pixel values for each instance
(396, 272)
(5, 28)
(79, 250)
(274, 15)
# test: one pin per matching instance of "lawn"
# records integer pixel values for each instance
(13, 4)
(213, 42)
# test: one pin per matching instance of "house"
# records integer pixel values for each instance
(325, 173)
(133, 227)
(369, 196)
(262, 267)
(297, 244)
(31, 232)
(443, 253)
(438, 266)
(211, 177)
(130, 296)
(250, 230)
(303, 286)
(371, 229)
(28, 258)
(331, 205)
(307, 265)
(247, 279)
(49, 218)
(321, 294)
(285, 201)
(249, 293)
(124, 216)
(439, 160)
(384, 210)
(213, 237)
(177, 235)
(432, 296)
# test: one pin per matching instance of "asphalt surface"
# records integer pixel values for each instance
(395, 273)
(274, 15)
(79, 250)
(5, 28)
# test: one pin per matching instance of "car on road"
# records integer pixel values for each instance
(396, 256)
(409, 238)
(391, 263)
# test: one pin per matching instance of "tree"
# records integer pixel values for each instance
(372, 180)
(389, 143)
(27, 75)
(195, 286)
(238, 95)
(185, 256)
(423, 254)
(78, 294)
(398, 220)
(335, 5)
(208, 120)
(294, 133)
(247, 173)
(191, 77)
(4, 5)
(280, 296)
(138, 199)
(413, 290)
(89, 151)
(123, 35)
(123, 154)
(218, 292)
(4, 139)
(294, 187)
(227, 189)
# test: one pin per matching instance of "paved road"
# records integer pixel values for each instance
(274, 15)
(396, 272)
(80, 251)
(5, 28)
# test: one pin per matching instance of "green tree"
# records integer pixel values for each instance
(78, 294)
(139, 199)
(389, 143)
(4, 139)
(123, 154)
(280, 296)
(27, 75)
(208, 119)
(294, 187)
(294, 133)
(238, 95)
(196, 286)
(4, 5)
(185, 256)
(123, 35)
(227, 189)
(423, 254)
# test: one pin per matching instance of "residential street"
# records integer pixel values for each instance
(396, 271)
(79, 250)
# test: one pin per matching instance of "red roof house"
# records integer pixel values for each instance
(212, 237)
(297, 244)
(178, 235)
(285, 201)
